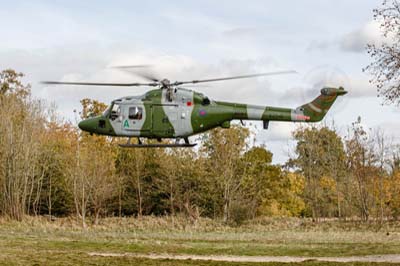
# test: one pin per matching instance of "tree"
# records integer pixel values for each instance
(385, 67)
(184, 180)
(92, 177)
(173, 170)
(131, 169)
(97, 169)
(224, 148)
(361, 161)
(292, 199)
(21, 125)
(393, 199)
(11, 84)
(320, 159)
(56, 155)
(263, 188)
(382, 150)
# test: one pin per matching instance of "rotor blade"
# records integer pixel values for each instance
(99, 84)
(235, 77)
(131, 66)
(133, 69)
(146, 76)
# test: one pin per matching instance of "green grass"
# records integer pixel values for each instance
(65, 243)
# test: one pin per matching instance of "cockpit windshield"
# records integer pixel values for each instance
(107, 111)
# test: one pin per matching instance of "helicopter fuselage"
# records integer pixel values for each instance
(180, 113)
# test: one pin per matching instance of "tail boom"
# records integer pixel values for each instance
(314, 111)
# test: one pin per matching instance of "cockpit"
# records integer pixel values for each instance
(113, 111)
(107, 111)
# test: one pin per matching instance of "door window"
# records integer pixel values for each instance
(135, 113)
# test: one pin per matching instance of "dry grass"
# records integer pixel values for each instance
(38, 237)
(181, 223)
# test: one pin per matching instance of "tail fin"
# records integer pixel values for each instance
(316, 110)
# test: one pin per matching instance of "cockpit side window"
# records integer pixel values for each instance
(135, 113)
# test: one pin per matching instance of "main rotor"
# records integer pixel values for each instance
(162, 83)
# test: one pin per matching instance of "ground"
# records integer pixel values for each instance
(151, 241)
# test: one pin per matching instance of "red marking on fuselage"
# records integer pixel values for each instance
(189, 103)
(302, 117)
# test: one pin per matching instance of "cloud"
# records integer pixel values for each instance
(277, 131)
(34, 25)
(320, 45)
(310, 84)
(357, 40)
(242, 32)
(361, 87)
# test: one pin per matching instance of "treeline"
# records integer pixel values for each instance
(49, 167)
(356, 176)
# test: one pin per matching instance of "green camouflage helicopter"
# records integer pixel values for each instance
(174, 112)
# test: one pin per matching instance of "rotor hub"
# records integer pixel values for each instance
(165, 83)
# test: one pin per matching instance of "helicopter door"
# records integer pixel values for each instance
(133, 119)
(116, 117)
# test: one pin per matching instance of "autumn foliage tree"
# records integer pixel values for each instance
(320, 158)
(224, 149)
(385, 66)
(21, 128)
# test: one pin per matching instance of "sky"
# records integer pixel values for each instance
(323, 40)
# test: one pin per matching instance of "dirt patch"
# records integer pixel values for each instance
(393, 258)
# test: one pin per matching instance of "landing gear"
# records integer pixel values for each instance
(177, 144)
(186, 140)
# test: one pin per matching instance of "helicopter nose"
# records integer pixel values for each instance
(85, 125)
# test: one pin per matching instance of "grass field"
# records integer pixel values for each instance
(37, 241)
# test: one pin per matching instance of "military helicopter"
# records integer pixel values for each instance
(173, 112)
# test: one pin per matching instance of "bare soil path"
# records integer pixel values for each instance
(394, 258)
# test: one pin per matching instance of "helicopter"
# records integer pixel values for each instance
(171, 111)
